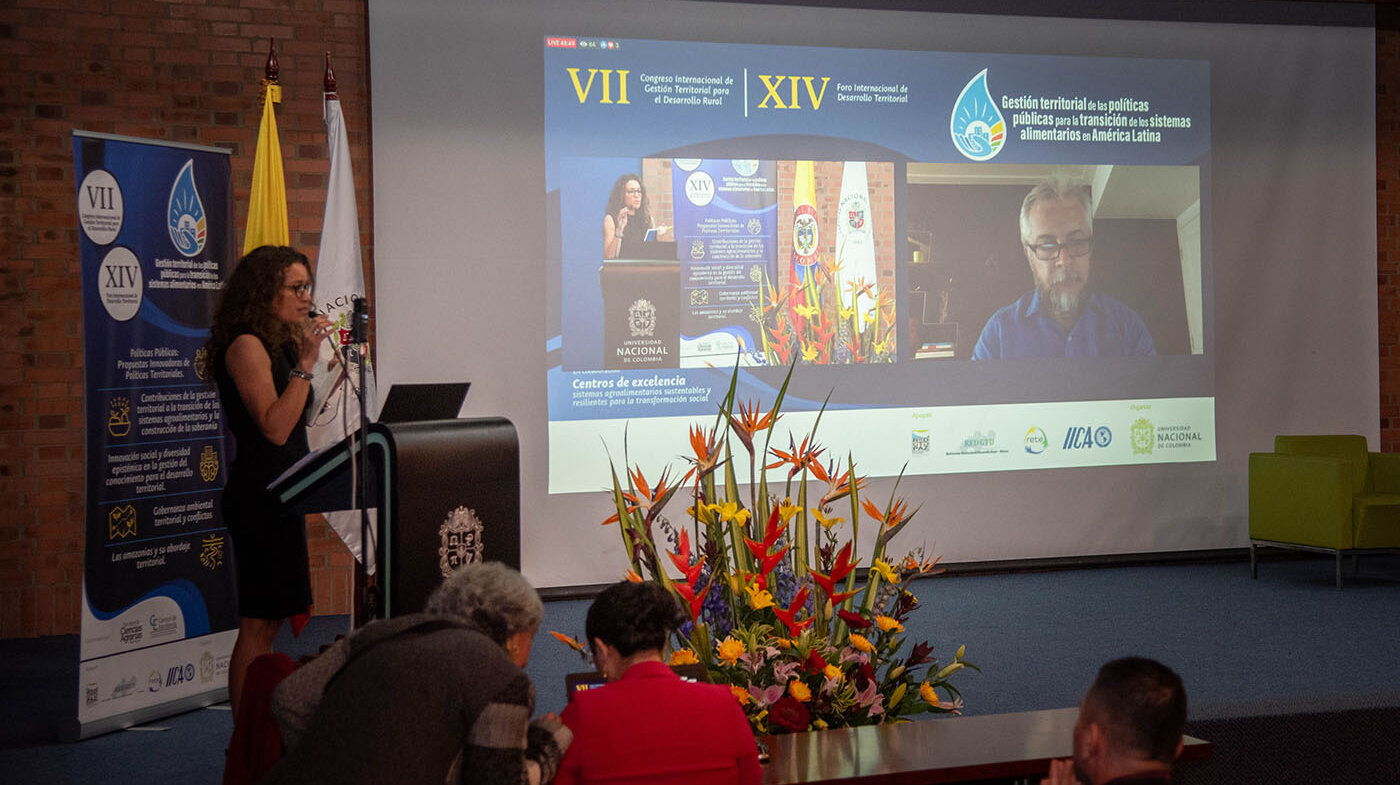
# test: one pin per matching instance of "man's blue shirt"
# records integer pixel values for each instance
(1106, 328)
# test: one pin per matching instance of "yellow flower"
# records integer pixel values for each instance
(799, 690)
(826, 522)
(886, 624)
(885, 570)
(782, 643)
(861, 643)
(926, 692)
(787, 509)
(759, 598)
(809, 353)
(683, 657)
(728, 511)
(731, 650)
(820, 724)
(806, 311)
(740, 693)
(832, 672)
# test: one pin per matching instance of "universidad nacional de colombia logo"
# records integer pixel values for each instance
(1144, 434)
(978, 129)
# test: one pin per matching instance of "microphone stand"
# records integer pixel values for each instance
(359, 338)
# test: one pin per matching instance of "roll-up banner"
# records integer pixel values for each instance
(158, 612)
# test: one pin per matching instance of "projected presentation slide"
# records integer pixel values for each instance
(982, 262)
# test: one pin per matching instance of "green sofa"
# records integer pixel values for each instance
(1324, 493)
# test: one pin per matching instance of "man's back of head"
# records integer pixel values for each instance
(1130, 725)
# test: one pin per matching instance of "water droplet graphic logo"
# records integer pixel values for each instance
(978, 129)
(188, 227)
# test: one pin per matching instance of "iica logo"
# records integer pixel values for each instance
(1083, 437)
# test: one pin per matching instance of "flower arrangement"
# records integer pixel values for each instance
(821, 318)
(770, 582)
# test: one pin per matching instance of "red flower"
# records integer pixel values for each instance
(789, 714)
(788, 616)
(814, 663)
(854, 620)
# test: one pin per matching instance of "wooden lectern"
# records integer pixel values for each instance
(447, 491)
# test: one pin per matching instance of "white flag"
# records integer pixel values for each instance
(855, 241)
(339, 279)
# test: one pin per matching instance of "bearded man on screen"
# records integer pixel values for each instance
(1062, 316)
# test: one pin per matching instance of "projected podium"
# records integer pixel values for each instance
(448, 492)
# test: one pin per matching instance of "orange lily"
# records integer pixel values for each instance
(749, 422)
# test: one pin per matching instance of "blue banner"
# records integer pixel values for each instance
(156, 240)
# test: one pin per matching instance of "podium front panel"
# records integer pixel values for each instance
(454, 498)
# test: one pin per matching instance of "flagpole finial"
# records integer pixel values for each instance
(330, 75)
(271, 69)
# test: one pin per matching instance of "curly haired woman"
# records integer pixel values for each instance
(262, 347)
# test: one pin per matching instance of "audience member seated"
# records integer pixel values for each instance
(1129, 728)
(437, 696)
(647, 725)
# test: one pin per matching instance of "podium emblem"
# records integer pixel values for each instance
(641, 319)
(462, 538)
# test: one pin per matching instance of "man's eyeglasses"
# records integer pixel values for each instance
(1049, 252)
(300, 289)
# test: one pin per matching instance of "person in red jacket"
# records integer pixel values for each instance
(647, 724)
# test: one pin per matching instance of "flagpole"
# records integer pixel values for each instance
(366, 590)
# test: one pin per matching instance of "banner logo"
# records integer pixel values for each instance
(697, 249)
(1035, 441)
(211, 555)
(119, 284)
(187, 223)
(977, 127)
(121, 522)
(1143, 435)
(119, 416)
(206, 667)
(1085, 437)
(100, 210)
(919, 442)
(700, 188)
(208, 464)
(745, 167)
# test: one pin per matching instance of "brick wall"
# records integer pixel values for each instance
(1388, 224)
(180, 71)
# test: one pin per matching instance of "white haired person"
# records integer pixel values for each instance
(437, 696)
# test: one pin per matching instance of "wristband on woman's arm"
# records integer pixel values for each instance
(300, 374)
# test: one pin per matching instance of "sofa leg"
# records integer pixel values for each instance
(1253, 564)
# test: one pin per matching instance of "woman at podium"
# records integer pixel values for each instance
(626, 220)
(262, 347)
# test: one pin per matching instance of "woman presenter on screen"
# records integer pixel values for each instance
(627, 220)
(262, 347)
(618, 735)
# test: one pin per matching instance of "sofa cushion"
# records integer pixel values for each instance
(1348, 447)
(1376, 520)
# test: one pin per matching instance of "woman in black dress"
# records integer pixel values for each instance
(626, 220)
(262, 347)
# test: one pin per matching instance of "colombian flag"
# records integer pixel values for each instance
(267, 203)
(806, 233)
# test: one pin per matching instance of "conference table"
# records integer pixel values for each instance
(947, 749)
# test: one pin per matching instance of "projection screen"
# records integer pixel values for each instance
(593, 211)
